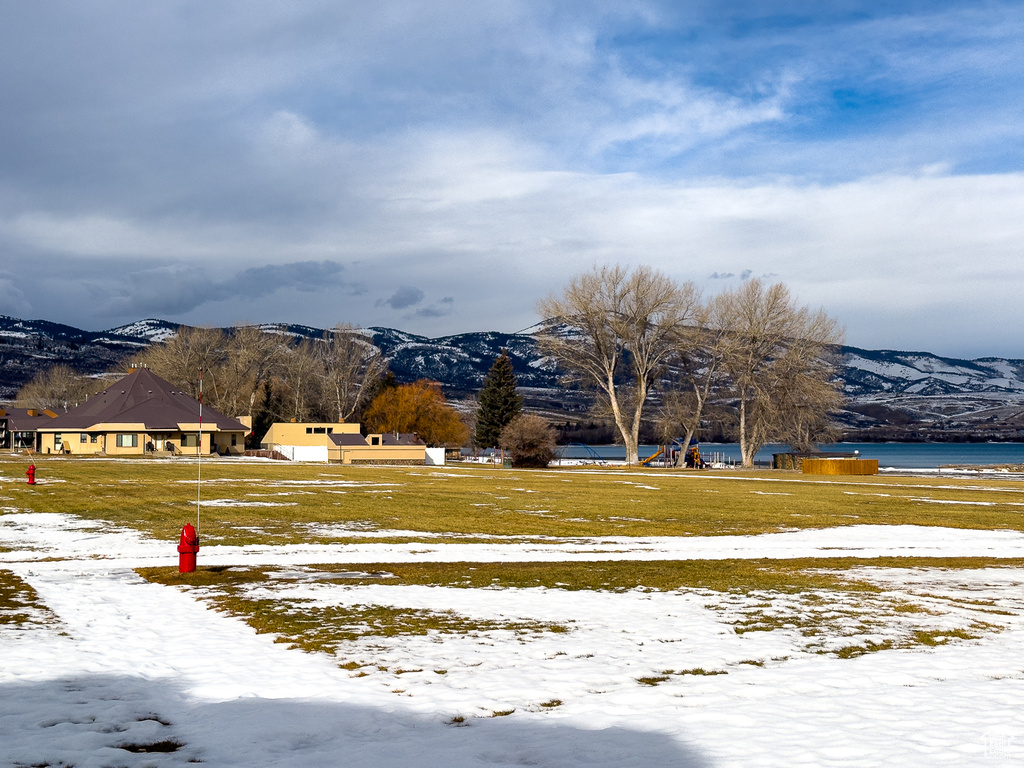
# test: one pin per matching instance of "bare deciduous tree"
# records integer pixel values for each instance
(323, 379)
(58, 388)
(252, 357)
(181, 360)
(778, 363)
(803, 408)
(300, 376)
(351, 366)
(617, 329)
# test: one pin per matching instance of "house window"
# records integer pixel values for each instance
(56, 439)
(190, 441)
(374, 440)
(83, 438)
(309, 430)
(94, 438)
(128, 441)
(330, 430)
(234, 440)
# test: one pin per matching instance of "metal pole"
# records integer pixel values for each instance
(199, 451)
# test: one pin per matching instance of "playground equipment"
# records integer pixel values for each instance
(591, 453)
(647, 462)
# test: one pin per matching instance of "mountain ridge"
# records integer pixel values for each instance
(892, 394)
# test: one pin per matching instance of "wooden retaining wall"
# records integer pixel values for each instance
(840, 466)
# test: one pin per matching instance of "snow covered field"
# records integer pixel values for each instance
(638, 679)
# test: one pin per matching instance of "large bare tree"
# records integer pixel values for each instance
(614, 328)
(351, 366)
(778, 363)
(252, 357)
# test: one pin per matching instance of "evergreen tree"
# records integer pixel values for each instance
(499, 403)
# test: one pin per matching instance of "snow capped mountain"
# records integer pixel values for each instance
(867, 372)
(29, 346)
(151, 330)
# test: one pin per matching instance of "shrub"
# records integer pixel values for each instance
(530, 440)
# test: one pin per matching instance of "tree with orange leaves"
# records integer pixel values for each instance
(421, 408)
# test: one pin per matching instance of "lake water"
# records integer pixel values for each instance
(895, 455)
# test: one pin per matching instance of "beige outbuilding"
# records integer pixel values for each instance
(342, 442)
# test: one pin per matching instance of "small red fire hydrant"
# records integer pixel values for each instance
(31, 472)
(187, 548)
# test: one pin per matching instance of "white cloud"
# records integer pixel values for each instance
(673, 115)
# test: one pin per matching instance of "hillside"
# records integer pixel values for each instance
(891, 394)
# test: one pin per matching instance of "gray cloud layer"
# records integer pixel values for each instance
(442, 166)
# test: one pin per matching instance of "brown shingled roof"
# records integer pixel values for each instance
(20, 420)
(141, 397)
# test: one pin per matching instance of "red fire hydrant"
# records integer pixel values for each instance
(187, 548)
(31, 472)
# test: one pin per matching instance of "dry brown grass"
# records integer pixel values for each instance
(157, 497)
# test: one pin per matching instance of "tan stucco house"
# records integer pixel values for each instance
(343, 443)
(139, 414)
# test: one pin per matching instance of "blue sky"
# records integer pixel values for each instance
(439, 167)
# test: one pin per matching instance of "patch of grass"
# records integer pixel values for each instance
(755, 621)
(502, 712)
(157, 746)
(652, 681)
(853, 651)
(902, 606)
(848, 616)
(551, 704)
(741, 576)
(326, 629)
(20, 605)
(941, 636)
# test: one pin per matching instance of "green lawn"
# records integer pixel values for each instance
(247, 502)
